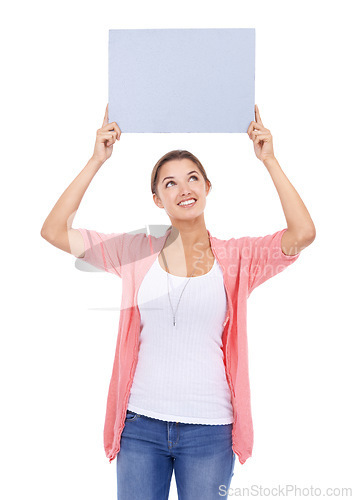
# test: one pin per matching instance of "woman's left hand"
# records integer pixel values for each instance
(262, 138)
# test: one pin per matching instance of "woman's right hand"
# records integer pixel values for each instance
(106, 137)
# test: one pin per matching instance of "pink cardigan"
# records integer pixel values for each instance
(246, 263)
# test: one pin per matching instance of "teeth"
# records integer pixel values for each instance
(187, 202)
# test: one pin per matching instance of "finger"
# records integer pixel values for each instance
(110, 142)
(257, 115)
(262, 137)
(255, 125)
(105, 121)
(112, 126)
(108, 136)
(257, 133)
(252, 131)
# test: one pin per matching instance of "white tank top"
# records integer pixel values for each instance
(180, 373)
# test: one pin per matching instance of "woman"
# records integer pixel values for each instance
(179, 395)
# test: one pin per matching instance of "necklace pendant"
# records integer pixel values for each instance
(174, 321)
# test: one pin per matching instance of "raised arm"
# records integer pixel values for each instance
(57, 228)
(301, 230)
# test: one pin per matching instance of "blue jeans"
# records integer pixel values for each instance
(200, 455)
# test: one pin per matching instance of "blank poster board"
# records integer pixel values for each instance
(182, 80)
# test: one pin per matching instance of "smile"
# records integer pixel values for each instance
(188, 203)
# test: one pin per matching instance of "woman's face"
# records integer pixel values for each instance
(180, 180)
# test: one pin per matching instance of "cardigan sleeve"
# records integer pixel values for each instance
(266, 258)
(104, 250)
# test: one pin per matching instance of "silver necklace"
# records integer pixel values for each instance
(170, 302)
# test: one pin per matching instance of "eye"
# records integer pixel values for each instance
(189, 179)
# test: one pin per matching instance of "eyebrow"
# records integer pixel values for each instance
(170, 177)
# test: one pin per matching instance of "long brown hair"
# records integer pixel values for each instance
(176, 154)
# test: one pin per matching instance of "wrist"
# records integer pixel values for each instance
(269, 161)
(95, 162)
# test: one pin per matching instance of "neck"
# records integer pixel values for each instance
(186, 236)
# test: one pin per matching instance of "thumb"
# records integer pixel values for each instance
(105, 121)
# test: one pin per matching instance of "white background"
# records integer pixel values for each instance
(57, 350)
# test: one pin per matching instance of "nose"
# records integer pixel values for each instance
(185, 190)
